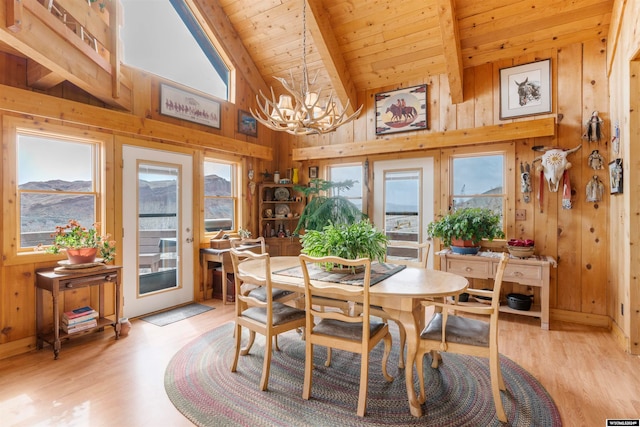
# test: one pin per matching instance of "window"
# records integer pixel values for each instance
(402, 201)
(345, 172)
(220, 196)
(165, 38)
(56, 177)
(480, 179)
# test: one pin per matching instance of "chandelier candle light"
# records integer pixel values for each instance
(307, 117)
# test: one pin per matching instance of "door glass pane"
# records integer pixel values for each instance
(158, 199)
(401, 210)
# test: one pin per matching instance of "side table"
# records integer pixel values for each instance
(56, 282)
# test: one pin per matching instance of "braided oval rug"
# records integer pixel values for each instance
(200, 384)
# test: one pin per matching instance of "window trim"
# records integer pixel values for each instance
(236, 192)
(11, 210)
(446, 179)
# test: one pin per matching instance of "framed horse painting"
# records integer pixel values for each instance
(525, 89)
(401, 110)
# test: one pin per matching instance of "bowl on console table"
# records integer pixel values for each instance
(521, 251)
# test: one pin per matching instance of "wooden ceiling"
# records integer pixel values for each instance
(361, 45)
(353, 46)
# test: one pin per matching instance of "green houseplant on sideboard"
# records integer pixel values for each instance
(468, 224)
(356, 240)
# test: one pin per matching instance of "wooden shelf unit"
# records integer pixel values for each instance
(54, 282)
(269, 225)
(530, 272)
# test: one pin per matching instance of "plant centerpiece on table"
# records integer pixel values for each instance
(81, 244)
(351, 241)
(463, 229)
(335, 226)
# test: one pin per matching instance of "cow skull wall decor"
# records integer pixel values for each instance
(553, 163)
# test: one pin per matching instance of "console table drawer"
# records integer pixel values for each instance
(83, 282)
(469, 268)
(517, 273)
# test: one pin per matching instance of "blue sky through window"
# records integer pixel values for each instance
(156, 39)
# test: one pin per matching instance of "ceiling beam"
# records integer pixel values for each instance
(421, 141)
(33, 104)
(451, 48)
(228, 43)
(326, 43)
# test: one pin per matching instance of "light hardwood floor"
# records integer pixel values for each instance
(98, 381)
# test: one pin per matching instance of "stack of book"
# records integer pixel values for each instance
(79, 319)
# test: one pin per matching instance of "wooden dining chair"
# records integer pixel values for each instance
(402, 252)
(421, 250)
(268, 318)
(356, 334)
(456, 334)
(258, 292)
(245, 242)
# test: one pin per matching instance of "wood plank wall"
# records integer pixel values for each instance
(577, 238)
(17, 293)
(624, 229)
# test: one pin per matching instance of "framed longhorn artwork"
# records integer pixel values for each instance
(401, 110)
(525, 90)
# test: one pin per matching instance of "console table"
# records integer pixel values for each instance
(533, 271)
(56, 282)
(222, 257)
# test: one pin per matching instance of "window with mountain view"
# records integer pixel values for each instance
(220, 196)
(163, 37)
(57, 181)
(477, 181)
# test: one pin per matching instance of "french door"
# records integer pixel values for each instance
(158, 233)
(404, 198)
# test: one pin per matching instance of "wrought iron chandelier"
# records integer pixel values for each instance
(308, 116)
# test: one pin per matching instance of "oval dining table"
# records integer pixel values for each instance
(399, 295)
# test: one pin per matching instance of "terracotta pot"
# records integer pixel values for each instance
(81, 255)
(462, 243)
(465, 247)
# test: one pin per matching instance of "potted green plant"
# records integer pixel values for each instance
(322, 209)
(356, 240)
(463, 229)
(81, 244)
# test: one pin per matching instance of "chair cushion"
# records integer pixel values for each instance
(351, 331)
(281, 314)
(460, 330)
(260, 293)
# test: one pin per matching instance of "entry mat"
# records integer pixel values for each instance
(175, 315)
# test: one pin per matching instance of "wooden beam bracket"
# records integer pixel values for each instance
(14, 15)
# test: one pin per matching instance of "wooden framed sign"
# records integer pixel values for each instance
(185, 105)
